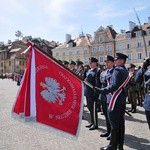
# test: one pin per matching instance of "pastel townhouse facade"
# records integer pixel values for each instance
(74, 49)
(103, 43)
(135, 43)
(11, 60)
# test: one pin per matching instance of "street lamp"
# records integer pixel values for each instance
(19, 34)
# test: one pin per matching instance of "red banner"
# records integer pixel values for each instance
(52, 94)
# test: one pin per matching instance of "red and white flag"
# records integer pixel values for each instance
(50, 94)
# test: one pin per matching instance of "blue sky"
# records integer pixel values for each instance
(52, 19)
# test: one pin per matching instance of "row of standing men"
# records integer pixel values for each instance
(106, 84)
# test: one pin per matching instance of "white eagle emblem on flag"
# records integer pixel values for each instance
(52, 91)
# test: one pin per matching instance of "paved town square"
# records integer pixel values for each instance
(15, 135)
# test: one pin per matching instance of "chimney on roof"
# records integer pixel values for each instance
(9, 41)
(1, 43)
(88, 35)
(68, 38)
(110, 26)
(122, 31)
(148, 20)
(81, 35)
(131, 25)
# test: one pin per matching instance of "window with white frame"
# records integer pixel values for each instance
(148, 54)
(57, 54)
(128, 46)
(101, 48)
(101, 59)
(63, 53)
(86, 60)
(129, 56)
(70, 52)
(118, 47)
(85, 51)
(94, 50)
(101, 39)
(138, 33)
(109, 48)
(78, 52)
(139, 55)
(139, 44)
(128, 35)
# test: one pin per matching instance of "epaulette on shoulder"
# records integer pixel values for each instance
(118, 68)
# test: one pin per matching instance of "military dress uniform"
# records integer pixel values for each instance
(116, 116)
(80, 69)
(144, 73)
(66, 63)
(132, 94)
(72, 66)
(105, 80)
(91, 96)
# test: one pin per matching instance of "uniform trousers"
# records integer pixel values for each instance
(148, 117)
(92, 106)
(105, 109)
(116, 117)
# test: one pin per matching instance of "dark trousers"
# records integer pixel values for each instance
(116, 117)
(148, 117)
(95, 112)
(92, 106)
(105, 111)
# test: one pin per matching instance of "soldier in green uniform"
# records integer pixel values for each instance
(72, 66)
(66, 63)
(132, 95)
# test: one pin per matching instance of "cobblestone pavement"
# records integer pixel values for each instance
(15, 135)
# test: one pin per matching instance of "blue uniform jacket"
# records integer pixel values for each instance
(91, 78)
(109, 79)
(140, 75)
(119, 75)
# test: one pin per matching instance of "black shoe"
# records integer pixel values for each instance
(130, 110)
(109, 147)
(83, 117)
(108, 138)
(104, 134)
(98, 110)
(88, 126)
(133, 111)
(93, 127)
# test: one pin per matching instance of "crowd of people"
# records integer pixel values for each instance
(113, 87)
(14, 76)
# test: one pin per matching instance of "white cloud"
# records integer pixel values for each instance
(59, 14)
(57, 9)
(110, 11)
(12, 6)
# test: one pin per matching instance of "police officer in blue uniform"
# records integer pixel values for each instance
(105, 79)
(91, 77)
(116, 116)
(144, 75)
